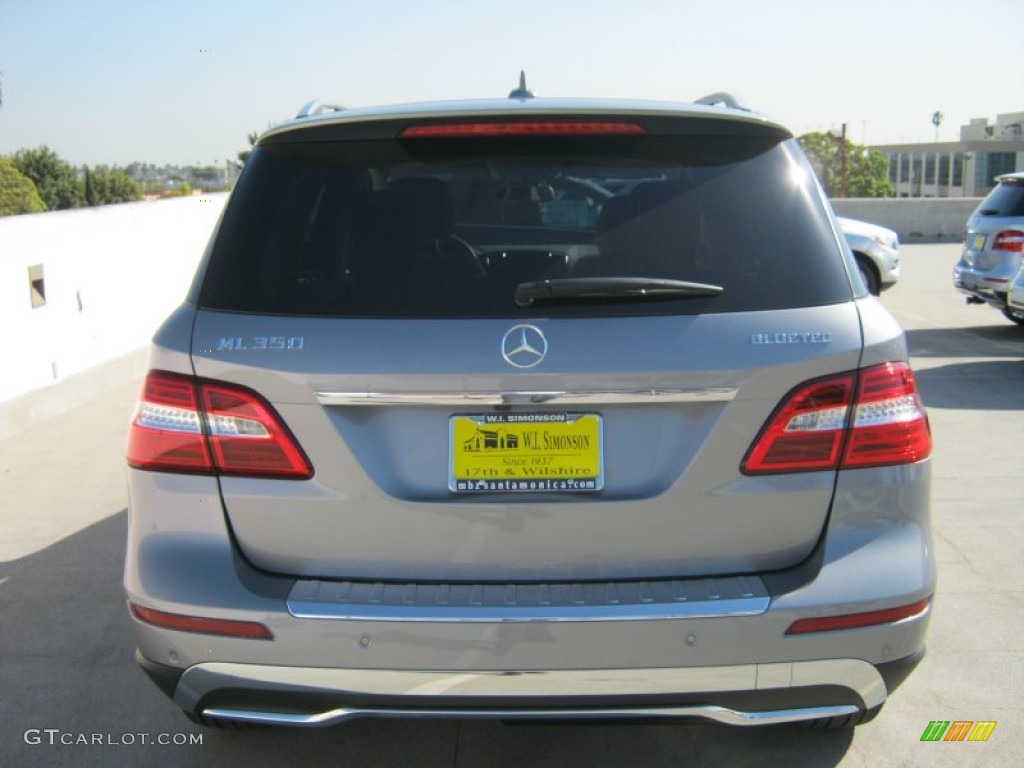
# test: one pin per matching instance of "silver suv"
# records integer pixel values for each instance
(529, 408)
(993, 246)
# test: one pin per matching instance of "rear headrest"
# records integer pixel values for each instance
(420, 207)
(651, 194)
(644, 197)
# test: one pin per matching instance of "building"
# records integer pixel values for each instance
(965, 168)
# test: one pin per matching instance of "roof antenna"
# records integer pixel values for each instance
(521, 92)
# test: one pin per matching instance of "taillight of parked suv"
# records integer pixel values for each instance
(868, 418)
(1009, 240)
(185, 424)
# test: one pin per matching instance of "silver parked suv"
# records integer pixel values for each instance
(529, 408)
(993, 247)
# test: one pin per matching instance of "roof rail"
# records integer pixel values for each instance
(317, 107)
(724, 99)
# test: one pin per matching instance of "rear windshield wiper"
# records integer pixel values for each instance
(528, 294)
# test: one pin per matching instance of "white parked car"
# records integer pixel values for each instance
(877, 251)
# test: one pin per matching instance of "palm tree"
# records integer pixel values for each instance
(937, 118)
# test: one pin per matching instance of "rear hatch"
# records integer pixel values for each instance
(526, 352)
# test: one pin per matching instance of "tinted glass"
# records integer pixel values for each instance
(450, 227)
(1007, 199)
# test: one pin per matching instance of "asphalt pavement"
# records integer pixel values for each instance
(70, 693)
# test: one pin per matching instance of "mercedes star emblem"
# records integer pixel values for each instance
(524, 346)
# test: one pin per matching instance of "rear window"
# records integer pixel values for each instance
(451, 227)
(1007, 199)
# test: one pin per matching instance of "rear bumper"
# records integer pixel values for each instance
(720, 653)
(753, 694)
(989, 286)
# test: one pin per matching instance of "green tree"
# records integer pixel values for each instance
(869, 174)
(123, 188)
(91, 194)
(54, 178)
(867, 170)
(244, 155)
(17, 192)
(104, 186)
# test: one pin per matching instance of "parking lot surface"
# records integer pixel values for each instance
(70, 693)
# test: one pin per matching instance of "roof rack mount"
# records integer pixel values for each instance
(724, 99)
(317, 107)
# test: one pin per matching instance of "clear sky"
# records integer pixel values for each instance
(180, 81)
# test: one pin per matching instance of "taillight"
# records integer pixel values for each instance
(246, 435)
(166, 432)
(806, 432)
(1011, 240)
(890, 425)
(184, 424)
(868, 418)
(547, 128)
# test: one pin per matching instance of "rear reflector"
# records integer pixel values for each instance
(1009, 240)
(813, 428)
(858, 620)
(201, 625)
(185, 424)
(452, 130)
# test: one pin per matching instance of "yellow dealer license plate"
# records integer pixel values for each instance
(523, 452)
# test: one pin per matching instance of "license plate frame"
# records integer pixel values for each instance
(978, 242)
(525, 453)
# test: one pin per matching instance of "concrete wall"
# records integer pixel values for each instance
(916, 220)
(111, 274)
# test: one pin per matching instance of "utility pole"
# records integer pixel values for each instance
(841, 140)
(842, 163)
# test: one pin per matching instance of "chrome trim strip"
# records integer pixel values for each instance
(708, 712)
(540, 602)
(531, 397)
(448, 614)
(856, 675)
